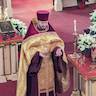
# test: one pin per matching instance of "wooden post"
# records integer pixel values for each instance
(9, 8)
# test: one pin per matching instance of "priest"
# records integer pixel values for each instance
(43, 68)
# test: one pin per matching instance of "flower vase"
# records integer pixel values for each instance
(87, 54)
(93, 54)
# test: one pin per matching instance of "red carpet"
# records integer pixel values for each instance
(26, 9)
(62, 22)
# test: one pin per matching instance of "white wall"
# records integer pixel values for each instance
(69, 3)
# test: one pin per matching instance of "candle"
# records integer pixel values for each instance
(75, 30)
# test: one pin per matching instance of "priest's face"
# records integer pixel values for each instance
(43, 25)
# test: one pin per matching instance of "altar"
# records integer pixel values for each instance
(9, 58)
(10, 41)
(84, 77)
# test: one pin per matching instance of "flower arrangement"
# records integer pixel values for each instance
(93, 16)
(19, 26)
(85, 41)
(88, 39)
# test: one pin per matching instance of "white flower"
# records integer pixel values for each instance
(19, 26)
(93, 27)
(93, 16)
(94, 42)
(84, 41)
(87, 41)
(82, 48)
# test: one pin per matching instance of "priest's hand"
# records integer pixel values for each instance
(59, 52)
(42, 55)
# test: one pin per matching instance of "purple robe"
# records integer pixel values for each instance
(32, 31)
(59, 67)
(32, 81)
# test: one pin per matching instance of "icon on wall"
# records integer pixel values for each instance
(6, 27)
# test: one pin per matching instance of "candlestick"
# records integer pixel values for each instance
(75, 39)
(75, 29)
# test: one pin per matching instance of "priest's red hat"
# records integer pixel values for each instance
(42, 15)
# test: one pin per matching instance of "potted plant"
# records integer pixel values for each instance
(93, 17)
(19, 26)
(84, 44)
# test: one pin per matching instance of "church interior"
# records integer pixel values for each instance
(47, 47)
